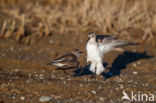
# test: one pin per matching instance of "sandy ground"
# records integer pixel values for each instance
(25, 77)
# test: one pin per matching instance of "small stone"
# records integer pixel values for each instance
(69, 79)
(11, 48)
(20, 49)
(51, 41)
(61, 78)
(22, 98)
(155, 93)
(53, 76)
(41, 76)
(134, 65)
(16, 70)
(146, 84)
(29, 74)
(100, 87)
(36, 75)
(45, 99)
(102, 99)
(81, 85)
(121, 86)
(19, 56)
(81, 41)
(134, 50)
(135, 72)
(3, 54)
(139, 63)
(43, 71)
(94, 92)
(64, 82)
(85, 79)
(28, 81)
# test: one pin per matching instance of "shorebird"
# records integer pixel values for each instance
(67, 61)
(94, 54)
(98, 45)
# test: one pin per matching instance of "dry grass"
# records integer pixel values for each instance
(43, 18)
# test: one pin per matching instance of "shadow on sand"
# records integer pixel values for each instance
(119, 63)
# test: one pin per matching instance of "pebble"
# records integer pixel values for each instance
(53, 76)
(36, 75)
(11, 48)
(51, 41)
(102, 99)
(94, 92)
(16, 70)
(4, 85)
(41, 76)
(64, 82)
(3, 54)
(28, 81)
(22, 98)
(81, 41)
(121, 86)
(61, 78)
(69, 79)
(45, 99)
(135, 72)
(134, 65)
(100, 87)
(19, 49)
(155, 93)
(29, 75)
(47, 49)
(139, 63)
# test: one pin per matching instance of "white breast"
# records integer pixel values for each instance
(93, 52)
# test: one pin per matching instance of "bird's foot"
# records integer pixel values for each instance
(93, 76)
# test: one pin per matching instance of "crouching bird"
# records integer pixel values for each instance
(67, 61)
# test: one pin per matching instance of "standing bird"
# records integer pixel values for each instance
(98, 45)
(67, 61)
(94, 55)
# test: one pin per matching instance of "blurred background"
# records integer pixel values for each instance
(26, 20)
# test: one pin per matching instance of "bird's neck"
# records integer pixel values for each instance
(92, 40)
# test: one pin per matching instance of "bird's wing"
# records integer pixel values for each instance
(106, 47)
(65, 58)
(105, 38)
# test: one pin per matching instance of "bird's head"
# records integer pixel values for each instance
(91, 36)
(76, 52)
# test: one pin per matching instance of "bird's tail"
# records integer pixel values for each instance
(99, 68)
(92, 67)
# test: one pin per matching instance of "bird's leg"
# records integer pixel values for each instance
(94, 74)
(81, 71)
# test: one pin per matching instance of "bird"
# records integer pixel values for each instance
(67, 61)
(94, 55)
(98, 45)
